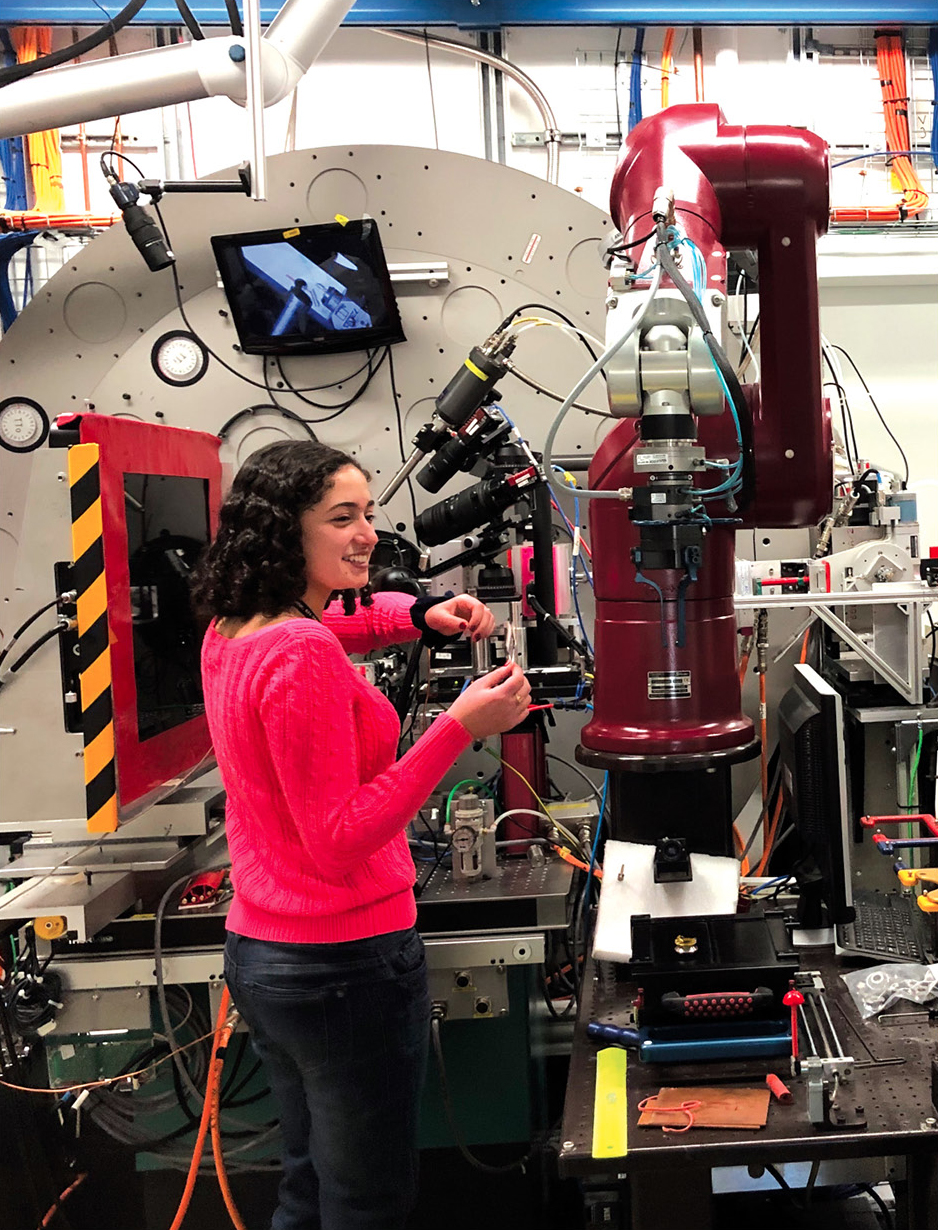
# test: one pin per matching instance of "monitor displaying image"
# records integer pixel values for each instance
(309, 289)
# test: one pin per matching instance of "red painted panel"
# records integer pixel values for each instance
(129, 447)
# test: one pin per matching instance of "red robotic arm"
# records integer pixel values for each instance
(667, 692)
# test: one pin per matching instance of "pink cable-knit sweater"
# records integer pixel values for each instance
(317, 803)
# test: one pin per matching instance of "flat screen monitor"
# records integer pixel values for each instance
(167, 530)
(814, 778)
(309, 289)
(160, 496)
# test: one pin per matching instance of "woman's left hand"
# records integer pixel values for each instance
(461, 614)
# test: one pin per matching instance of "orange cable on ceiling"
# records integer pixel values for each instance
(45, 149)
(667, 65)
(890, 62)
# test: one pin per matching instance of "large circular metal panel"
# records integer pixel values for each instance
(584, 269)
(94, 312)
(336, 191)
(469, 313)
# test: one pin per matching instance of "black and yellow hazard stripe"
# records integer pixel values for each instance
(93, 642)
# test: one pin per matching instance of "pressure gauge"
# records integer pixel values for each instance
(24, 425)
(179, 358)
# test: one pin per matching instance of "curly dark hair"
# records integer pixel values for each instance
(255, 564)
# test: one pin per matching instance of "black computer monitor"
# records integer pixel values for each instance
(318, 289)
(814, 778)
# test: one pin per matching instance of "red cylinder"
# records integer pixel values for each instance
(653, 697)
(523, 751)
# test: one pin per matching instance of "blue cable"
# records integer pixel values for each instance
(635, 80)
(578, 556)
(733, 482)
(880, 153)
(12, 161)
(566, 520)
(576, 604)
(574, 558)
(679, 239)
(599, 828)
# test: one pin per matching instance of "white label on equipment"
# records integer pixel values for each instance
(659, 497)
(531, 249)
(651, 459)
(668, 685)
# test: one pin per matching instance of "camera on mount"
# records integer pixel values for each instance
(481, 433)
(511, 475)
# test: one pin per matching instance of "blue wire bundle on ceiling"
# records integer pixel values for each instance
(933, 62)
(12, 162)
(635, 81)
(9, 246)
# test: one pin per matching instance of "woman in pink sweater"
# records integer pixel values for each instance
(322, 958)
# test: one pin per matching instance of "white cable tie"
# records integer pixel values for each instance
(576, 541)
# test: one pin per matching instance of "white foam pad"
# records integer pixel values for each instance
(714, 889)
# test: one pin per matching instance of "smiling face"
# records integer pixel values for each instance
(338, 537)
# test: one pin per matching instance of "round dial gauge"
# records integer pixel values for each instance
(24, 424)
(179, 358)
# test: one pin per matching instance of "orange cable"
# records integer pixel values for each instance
(770, 840)
(804, 646)
(743, 667)
(764, 759)
(206, 1114)
(738, 843)
(217, 1149)
(44, 148)
(36, 220)
(575, 862)
(890, 62)
(57, 1204)
(667, 65)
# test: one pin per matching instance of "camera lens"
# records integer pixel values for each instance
(466, 511)
(450, 459)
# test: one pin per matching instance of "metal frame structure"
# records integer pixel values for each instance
(486, 14)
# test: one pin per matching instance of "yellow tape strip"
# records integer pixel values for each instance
(99, 753)
(81, 457)
(95, 679)
(476, 371)
(104, 819)
(610, 1107)
(91, 604)
(87, 529)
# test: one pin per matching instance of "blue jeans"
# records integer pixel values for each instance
(342, 1032)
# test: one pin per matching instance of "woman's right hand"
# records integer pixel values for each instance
(494, 703)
